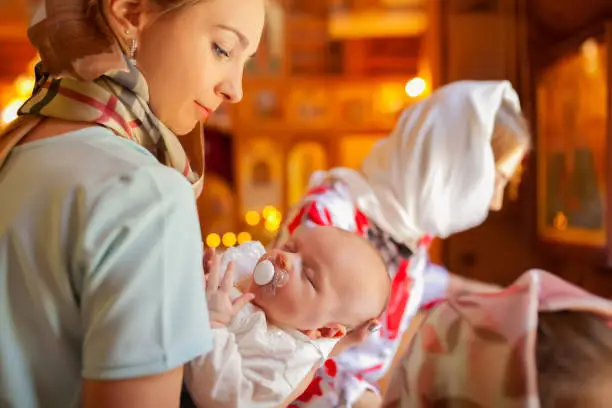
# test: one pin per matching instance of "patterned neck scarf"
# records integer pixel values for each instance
(479, 350)
(118, 100)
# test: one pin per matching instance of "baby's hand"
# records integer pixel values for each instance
(220, 306)
(209, 255)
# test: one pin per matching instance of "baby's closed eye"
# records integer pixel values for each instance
(308, 274)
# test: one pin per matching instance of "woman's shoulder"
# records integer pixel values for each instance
(91, 152)
(97, 166)
(92, 143)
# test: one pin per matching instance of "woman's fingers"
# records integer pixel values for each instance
(354, 338)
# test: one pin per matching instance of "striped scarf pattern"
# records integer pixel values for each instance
(118, 100)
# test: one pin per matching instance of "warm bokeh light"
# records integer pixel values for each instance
(9, 113)
(213, 240)
(276, 217)
(415, 87)
(252, 218)
(269, 212)
(229, 239)
(272, 217)
(272, 225)
(244, 237)
(560, 221)
(24, 86)
(389, 98)
(590, 54)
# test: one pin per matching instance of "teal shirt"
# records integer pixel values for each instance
(100, 268)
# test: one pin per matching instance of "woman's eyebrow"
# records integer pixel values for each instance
(243, 40)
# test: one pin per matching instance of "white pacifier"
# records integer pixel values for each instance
(263, 273)
(269, 276)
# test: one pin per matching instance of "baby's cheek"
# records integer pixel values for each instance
(288, 301)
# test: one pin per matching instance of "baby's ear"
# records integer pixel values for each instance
(333, 331)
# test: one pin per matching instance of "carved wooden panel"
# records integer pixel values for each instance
(303, 159)
(572, 143)
(307, 42)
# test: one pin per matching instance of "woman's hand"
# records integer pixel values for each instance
(369, 399)
(354, 338)
(221, 308)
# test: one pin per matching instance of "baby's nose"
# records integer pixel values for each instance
(282, 261)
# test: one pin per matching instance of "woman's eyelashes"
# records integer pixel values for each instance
(288, 247)
(220, 52)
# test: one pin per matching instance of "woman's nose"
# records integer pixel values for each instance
(232, 95)
(231, 88)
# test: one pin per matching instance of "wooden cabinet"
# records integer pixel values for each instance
(573, 120)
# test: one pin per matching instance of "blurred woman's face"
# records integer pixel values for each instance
(505, 169)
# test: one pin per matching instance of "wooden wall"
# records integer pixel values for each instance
(15, 50)
(502, 40)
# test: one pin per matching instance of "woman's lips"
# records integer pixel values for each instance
(204, 111)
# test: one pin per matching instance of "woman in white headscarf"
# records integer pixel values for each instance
(445, 165)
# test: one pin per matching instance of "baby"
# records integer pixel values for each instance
(304, 296)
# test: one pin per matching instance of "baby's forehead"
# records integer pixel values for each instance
(327, 235)
(336, 248)
(330, 241)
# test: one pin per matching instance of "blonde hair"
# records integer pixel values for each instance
(511, 132)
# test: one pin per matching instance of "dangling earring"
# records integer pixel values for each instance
(132, 49)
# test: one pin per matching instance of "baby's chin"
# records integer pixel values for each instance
(269, 310)
(269, 304)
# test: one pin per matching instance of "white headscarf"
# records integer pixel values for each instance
(435, 173)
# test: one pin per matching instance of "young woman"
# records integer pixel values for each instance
(102, 297)
(442, 169)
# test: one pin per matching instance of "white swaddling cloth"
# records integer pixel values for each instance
(253, 364)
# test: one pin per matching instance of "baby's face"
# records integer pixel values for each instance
(330, 281)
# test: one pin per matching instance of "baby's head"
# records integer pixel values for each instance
(336, 282)
(542, 339)
(574, 360)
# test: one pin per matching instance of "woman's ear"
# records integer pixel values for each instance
(125, 17)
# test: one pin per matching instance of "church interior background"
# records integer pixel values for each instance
(331, 77)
